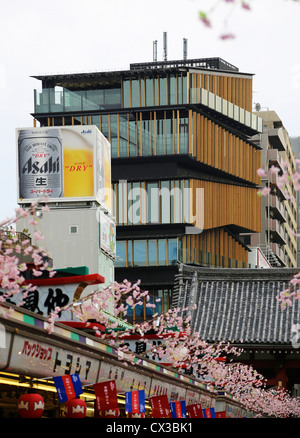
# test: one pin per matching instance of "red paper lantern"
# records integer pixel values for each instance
(75, 408)
(31, 405)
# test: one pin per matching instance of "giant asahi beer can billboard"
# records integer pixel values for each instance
(63, 163)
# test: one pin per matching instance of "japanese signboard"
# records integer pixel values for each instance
(55, 292)
(126, 379)
(172, 391)
(64, 163)
(34, 357)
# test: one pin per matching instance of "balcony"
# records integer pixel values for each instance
(275, 159)
(277, 232)
(277, 209)
(276, 139)
(279, 253)
(227, 109)
(57, 100)
(275, 185)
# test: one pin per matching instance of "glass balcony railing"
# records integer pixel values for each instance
(56, 100)
(226, 108)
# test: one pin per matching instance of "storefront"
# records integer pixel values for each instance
(30, 358)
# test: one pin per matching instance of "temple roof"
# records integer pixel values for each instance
(238, 305)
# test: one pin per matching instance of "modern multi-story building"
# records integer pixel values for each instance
(183, 163)
(277, 239)
(295, 143)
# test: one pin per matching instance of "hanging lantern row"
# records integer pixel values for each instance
(32, 406)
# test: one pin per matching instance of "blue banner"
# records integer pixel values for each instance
(178, 409)
(68, 387)
(209, 413)
(135, 401)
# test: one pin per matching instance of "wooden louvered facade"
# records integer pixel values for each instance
(186, 130)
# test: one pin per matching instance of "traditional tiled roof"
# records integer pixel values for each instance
(237, 305)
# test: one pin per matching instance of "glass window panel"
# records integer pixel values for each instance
(177, 202)
(96, 121)
(219, 104)
(248, 118)
(92, 99)
(114, 135)
(104, 126)
(147, 137)
(123, 134)
(42, 101)
(179, 85)
(169, 135)
(186, 201)
(135, 95)
(150, 310)
(112, 97)
(156, 91)
(172, 90)
(163, 91)
(126, 93)
(129, 252)
(184, 89)
(134, 197)
(159, 301)
(204, 96)
(183, 135)
(172, 251)
(162, 251)
(122, 202)
(139, 253)
(165, 202)
(167, 299)
(160, 137)
(73, 101)
(242, 115)
(153, 203)
(152, 253)
(149, 91)
(142, 92)
(236, 112)
(132, 136)
(121, 253)
(212, 100)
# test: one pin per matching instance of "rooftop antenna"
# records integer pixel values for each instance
(165, 46)
(155, 51)
(184, 48)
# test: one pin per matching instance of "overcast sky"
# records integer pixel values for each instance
(66, 36)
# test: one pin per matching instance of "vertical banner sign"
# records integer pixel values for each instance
(221, 414)
(195, 411)
(107, 399)
(209, 413)
(135, 401)
(178, 409)
(67, 387)
(160, 407)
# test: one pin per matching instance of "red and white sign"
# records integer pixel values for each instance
(195, 411)
(106, 399)
(160, 407)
